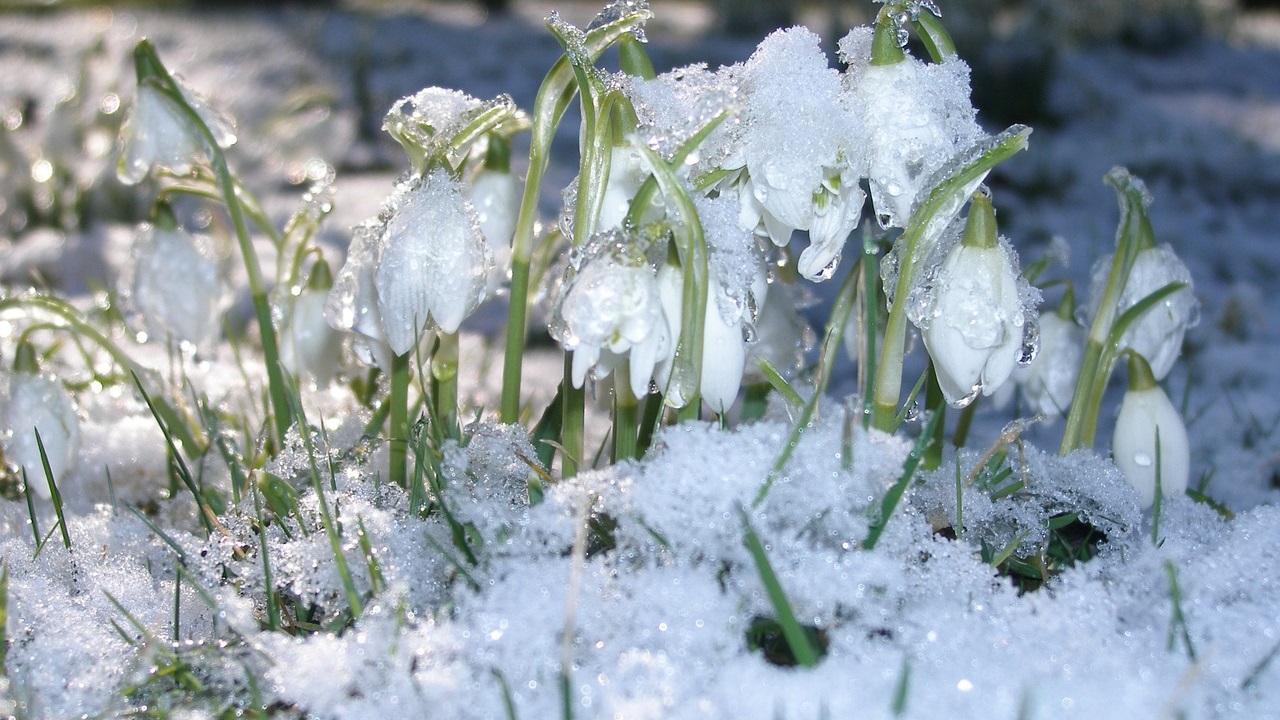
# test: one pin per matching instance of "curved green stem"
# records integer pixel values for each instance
(926, 224)
(151, 70)
(554, 95)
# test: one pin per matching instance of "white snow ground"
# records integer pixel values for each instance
(658, 623)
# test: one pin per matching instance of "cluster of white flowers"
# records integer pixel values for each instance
(781, 162)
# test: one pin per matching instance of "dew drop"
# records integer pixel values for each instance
(1142, 459)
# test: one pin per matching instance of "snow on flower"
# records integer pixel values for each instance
(430, 123)
(159, 133)
(174, 288)
(1146, 413)
(422, 261)
(35, 403)
(918, 116)
(610, 308)
(802, 151)
(974, 327)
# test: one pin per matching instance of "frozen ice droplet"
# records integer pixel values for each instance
(1142, 459)
(1030, 342)
(967, 399)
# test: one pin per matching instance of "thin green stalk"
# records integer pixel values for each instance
(572, 444)
(398, 433)
(444, 382)
(926, 224)
(54, 493)
(935, 403)
(626, 415)
(554, 95)
(891, 498)
(151, 70)
(870, 328)
(273, 602)
(798, 641)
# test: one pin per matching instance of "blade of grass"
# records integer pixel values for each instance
(890, 501)
(797, 639)
(54, 494)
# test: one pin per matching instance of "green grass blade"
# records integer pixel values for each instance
(891, 498)
(805, 653)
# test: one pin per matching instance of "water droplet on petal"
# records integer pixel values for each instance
(1142, 459)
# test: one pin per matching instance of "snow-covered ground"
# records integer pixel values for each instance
(655, 621)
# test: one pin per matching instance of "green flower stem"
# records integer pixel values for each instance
(554, 95)
(870, 327)
(686, 373)
(151, 70)
(1133, 233)
(572, 443)
(626, 415)
(398, 435)
(444, 382)
(885, 49)
(927, 223)
(936, 403)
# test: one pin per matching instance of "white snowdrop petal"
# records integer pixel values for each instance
(975, 334)
(1143, 413)
(309, 346)
(176, 289)
(36, 403)
(433, 266)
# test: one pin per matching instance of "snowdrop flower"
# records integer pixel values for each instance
(33, 403)
(918, 117)
(422, 261)
(1157, 334)
(352, 303)
(974, 335)
(309, 346)
(802, 151)
(1145, 413)
(1050, 380)
(495, 195)
(159, 133)
(175, 289)
(724, 344)
(610, 311)
(626, 174)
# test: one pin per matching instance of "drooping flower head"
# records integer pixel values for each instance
(1157, 334)
(1150, 437)
(159, 132)
(30, 403)
(802, 151)
(918, 117)
(173, 287)
(309, 346)
(1049, 381)
(609, 311)
(423, 262)
(974, 326)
